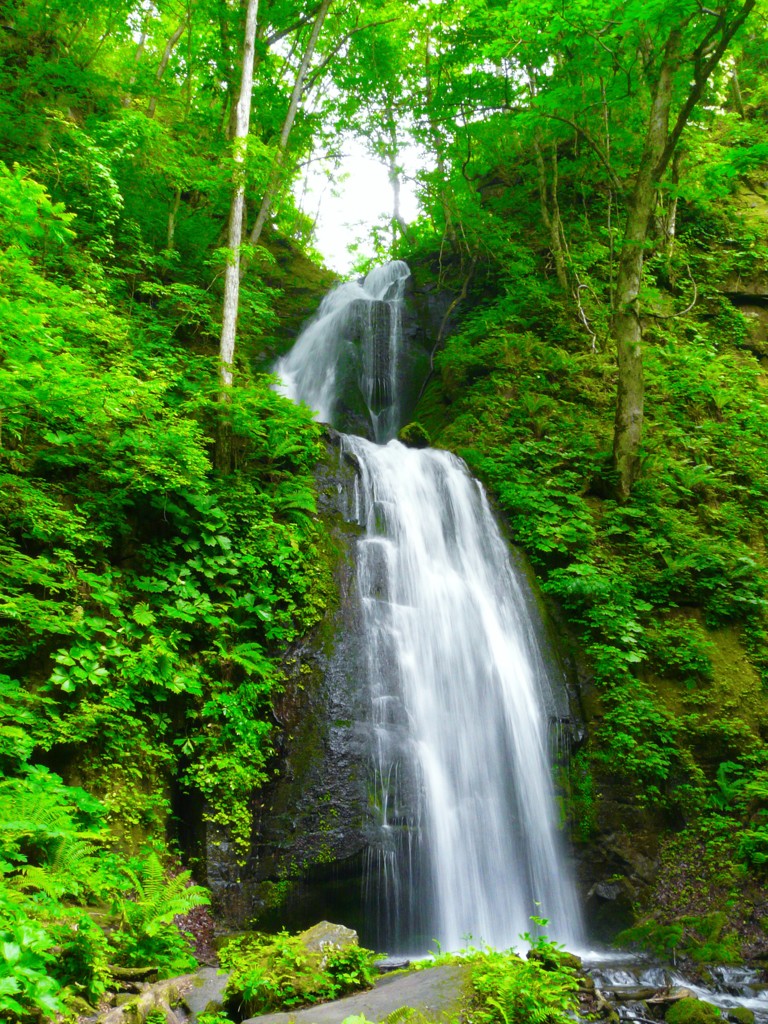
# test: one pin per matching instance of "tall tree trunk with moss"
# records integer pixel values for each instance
(658, 150)
(550, 214)
(626, 324)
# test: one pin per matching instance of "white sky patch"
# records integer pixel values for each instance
(348, 210)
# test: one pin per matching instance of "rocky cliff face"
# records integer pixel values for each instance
(308, 823)
(750, 296)
(361, 387)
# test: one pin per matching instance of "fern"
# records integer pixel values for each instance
(405, 1015)
(69, 872)
(43, 838)
(159, 897)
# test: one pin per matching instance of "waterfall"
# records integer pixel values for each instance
(357, 331)
(462, 839)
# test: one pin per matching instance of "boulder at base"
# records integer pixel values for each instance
(319, 936)
(692, 1011)
(437, 992)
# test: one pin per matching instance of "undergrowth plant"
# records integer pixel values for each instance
(71, 909)
(278, 972)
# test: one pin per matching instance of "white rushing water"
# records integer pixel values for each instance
(358, 325)
(463, 840)
(459, 712)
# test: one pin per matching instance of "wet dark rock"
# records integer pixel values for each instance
(739, 287)
(750, 296)
(631, 993)
(308, 822)
(363, 381)
(607, 890)
(391, 964)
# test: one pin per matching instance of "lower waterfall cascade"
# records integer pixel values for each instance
(462, 840)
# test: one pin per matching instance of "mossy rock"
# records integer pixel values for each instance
(281, 972)
(413, 435)
(316, 938)
(740, 1015)
(692, 1011)
(552, 959)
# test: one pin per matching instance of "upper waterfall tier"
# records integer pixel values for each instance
(348, 363)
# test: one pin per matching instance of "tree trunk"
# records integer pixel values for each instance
(665, 216)
(393, 171)
(274, 177)
(228, 76)
(738, 99)
(173, 213)
(550, 214)
(438, 148)
(128, 98)
(170, 46)
(240, 144)
(626, 325)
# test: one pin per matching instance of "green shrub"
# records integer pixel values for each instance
(146, 934)
(508, 989)
(278, 972)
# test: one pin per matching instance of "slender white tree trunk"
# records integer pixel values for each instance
(274, 178)
(239, 147)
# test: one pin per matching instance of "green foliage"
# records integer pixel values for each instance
(700, 938)
(53, 864)
(661, 940)
(278, 972)
(692, 1011)
(402, 1015)
(578, 783)
(146, 598)
(507, 990)
(148, 580)
(26, 981)
(146, 933)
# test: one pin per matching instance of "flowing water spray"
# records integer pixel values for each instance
(463, 845)
(357, 332)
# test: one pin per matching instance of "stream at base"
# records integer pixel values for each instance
(638, 985)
